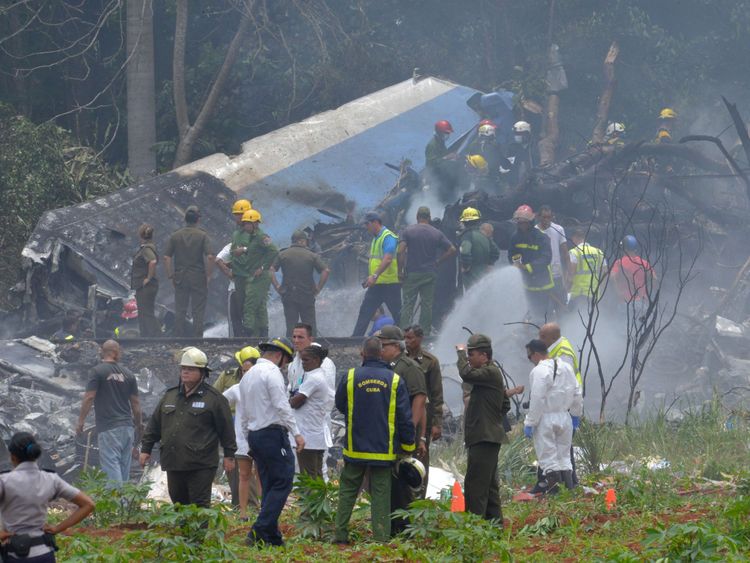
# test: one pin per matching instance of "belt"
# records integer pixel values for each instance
(271, 427)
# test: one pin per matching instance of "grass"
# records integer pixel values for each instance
(697, 508)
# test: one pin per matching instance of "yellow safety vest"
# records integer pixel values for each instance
(588, 269)
(390, 275)
(565, 348)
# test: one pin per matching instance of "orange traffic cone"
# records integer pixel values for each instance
(610, 499)
(458, 503)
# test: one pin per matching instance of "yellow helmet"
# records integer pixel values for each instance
(470, 214)
(252, 216)
(667, 113)
(247, 353)
(241, 205)
(477, 161)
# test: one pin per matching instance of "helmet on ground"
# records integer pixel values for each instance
(470, 214)
(193, 357)
(486, 130)
(521, 127)
(130, 310)
(390, 332)
(247, 353)
(477, 161)
(410, 471)
(667, 113)
(251, 216)
(629, 242)
(280, 343)
(478, 341)
(443, 126)
(523, 213)
(615, 127)
(241, 205)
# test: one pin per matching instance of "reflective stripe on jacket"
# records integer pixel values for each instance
(589, 261)
(565, 348)
(390, 274)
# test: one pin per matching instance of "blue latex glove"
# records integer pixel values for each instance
(576, 422)
(528, 431)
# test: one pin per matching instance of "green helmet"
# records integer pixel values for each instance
(390, 332)
(478, 341)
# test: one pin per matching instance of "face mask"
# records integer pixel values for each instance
(518, 138)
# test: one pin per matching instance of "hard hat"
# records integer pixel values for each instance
(486, 130)
(251, 216)
(470, 214)
(488, 122)
(521, 127)
(130, 310)
(477, 161)
(523, 213)
(615, 127)
(663, 134)
(629, 242)
(193, 357)
(390, 332)
(667, 113)
(443, 126)
(241, 205)
(280, 343)
(247, 353)
(410, 471)
(478, 341)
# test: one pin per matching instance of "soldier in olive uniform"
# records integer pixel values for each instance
(241, 261)
(143, 281)
(258, 253)
(190, 249)
(392, 338)
(298, 288)
(483, 431)
(434, 381)
(477, 251)
(191, 421)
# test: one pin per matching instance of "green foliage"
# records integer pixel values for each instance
(318, 501)
(542, 527)
(691, 542)
(126, 504)
(461, 535)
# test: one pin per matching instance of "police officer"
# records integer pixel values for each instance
(375, 405)
(434, 381)
(239, 263)
(143, 280)
(257, 255)
(483, 430)
(24, 494)
(478, 253)
(191, 420)
(394, 354)
(189, 260)
(298, 289)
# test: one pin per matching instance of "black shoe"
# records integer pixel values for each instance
(540, 488)
(567, 478)
(553, 479)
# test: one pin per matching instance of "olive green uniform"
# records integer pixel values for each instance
(260, 254)
(188, 248)
(434, 381)
(241, 271)
(297, 264)
(190, 430)
(145, 295)
(401, 494)
(477, 254)
(483, 434)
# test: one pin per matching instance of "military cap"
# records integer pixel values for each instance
(478, 341)
(390, 332)
(373, 216)
(299, 234)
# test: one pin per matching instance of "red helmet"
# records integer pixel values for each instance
(523, 213)
(443, 126)
(487, 122)
(130, 310)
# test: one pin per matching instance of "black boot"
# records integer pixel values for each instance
(541, 483)
(553, 479)
(567, 478)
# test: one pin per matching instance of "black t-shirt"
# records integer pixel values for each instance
(424, 244)
(114, 385)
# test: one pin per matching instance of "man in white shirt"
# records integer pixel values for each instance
(234, 314)
(267, 418)
(560, 258)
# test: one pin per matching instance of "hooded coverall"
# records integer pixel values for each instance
(555, 396)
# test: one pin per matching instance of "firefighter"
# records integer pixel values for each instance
(237, 273)
(666, 125)
(256, 257)
(587, 266)
(530, 251)
(440, 164)
(478, 253)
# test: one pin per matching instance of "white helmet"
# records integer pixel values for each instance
(521, 127)
(486, 130)
(411, 471)
(194, 358)
(615, 127)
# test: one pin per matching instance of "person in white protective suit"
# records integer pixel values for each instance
(555, 408)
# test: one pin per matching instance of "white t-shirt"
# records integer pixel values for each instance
(225, 256)
(556, 236)
(312, 417)
(233, 396)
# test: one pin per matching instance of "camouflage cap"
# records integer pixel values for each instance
(478, 341)
(390, 332)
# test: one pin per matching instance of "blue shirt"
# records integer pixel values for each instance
(390, 244)
(380, 323)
